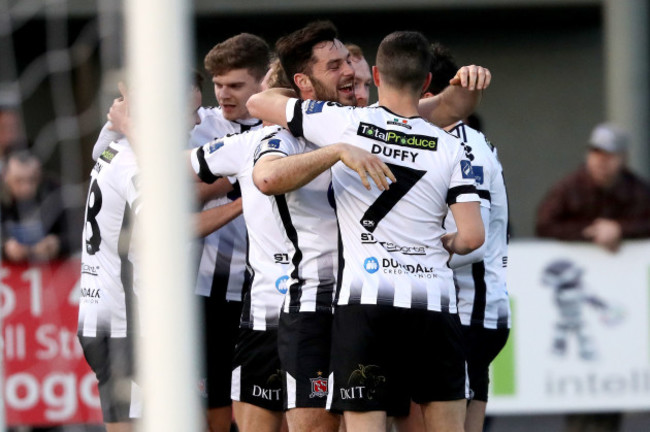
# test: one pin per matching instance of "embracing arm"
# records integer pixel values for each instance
(459, 99)
(270, 105)
(208, 221)
(470, 234)
(275, 175)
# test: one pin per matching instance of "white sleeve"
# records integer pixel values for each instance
(223, 157)
(105, 138)
(320, 122)
(463, 184)
(279, 144)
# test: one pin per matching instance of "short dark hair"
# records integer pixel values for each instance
(443, 68)
(244, 51)
(403, 60)
(295, 50)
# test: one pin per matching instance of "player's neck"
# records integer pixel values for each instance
(398, 101)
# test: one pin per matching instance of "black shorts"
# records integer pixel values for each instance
(384, 356)
(304, 344)
(221, 326)
(113, 363)
(256, 376)
(483, 345)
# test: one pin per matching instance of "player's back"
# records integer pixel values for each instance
(392, 248)
(106, 262)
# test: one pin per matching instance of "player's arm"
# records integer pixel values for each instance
(459, 99)
(206, 191)
(208, 221)
(275, 174)
(270, 105)
(477, 254)
(106, 136)
(470, 234)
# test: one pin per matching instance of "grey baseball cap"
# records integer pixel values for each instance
(609, 138)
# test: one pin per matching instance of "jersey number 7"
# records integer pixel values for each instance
(406, 179)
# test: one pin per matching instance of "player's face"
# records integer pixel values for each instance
(232, 90)
(362, 81)
(604, 168)
(332, 75)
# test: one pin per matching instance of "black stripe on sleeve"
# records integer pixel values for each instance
(204, 173)
(295, 125)
(484, 194)
(455, 192)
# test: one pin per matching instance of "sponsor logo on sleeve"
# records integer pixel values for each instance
(314, 107)
(478, 173)
(108, 155)
(466, 169)
(215, 145)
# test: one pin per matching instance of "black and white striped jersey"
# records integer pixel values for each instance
(107, 302)
(267, 256)
(222, 265)
(392, 250)
(310, 231)
(481, 285)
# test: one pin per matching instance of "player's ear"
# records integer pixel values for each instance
(375, 76)
(303, 82)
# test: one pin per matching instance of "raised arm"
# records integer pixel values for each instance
(270, 105)
(459, 99)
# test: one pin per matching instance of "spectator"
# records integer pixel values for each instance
(11, 132)
(33, 218)
(604, 203)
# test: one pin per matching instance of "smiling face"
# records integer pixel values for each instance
(332, 75)
(362, 81)
(232, 90)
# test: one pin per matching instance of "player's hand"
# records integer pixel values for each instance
(118, 114)
(366, 164)
(447, 241)
(604, 232)
(472, 77)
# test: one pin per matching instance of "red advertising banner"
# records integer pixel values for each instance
(46, 378)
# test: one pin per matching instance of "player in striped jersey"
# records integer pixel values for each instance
(237, 66)
(255, 380)
(108, 304)
(480, 277)
(395, 263)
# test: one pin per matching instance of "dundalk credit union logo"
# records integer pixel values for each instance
(371, 265)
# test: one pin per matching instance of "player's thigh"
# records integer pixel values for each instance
(368, 362)
(256, 375)
(483, 345)
(304, 345)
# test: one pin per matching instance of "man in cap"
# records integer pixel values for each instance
(603, 201)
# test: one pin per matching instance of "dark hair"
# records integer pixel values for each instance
(197, 79)
(403, 60)
(295, 50)
(443, 68)
(244, 51)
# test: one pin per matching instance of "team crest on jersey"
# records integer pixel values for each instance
(397, 122)
(109, 154)
(478, 173)
(318, 386)
(215, 145)
(466, 168)
(273, 144)
(314, 107)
